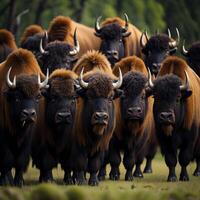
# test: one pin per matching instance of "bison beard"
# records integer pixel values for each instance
(99, 129)
(167, 130)
(134, 126)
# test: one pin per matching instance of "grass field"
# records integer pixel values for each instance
(151, 187)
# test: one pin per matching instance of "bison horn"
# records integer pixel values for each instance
(142, 43)
(44, 84)
(97, 26)
(185, 86)
(176, 42)
(184, 51)
(150, 82)
(9, 82)
(82, 82)
(125, 28)
(42, 51)
(77, 46)
(119, 82)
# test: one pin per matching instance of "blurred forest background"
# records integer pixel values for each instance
(145, 14)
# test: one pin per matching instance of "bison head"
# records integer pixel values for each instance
(61, 99)
(193, 56)
(134, 100)
(22, 97)
(58, 54)
(98, 92)
(169, 97)
(112, 36)
(157, 48)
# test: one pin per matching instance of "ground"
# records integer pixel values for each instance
(152, 186)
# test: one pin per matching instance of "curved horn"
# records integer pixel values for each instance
(82, 82)
(142, 44)
(8, 81)
(176, 42)
(186, 85)
(43, 84)
(150, 82)
(42, 51)
(184, 51)
(169, 33)
(119, 82)
(97, 26)
(125, 28)
(77, 46)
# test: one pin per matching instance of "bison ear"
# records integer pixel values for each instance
(186, 93)
(118, 93)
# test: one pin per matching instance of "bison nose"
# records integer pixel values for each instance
(134, 112)
(113, 53)
(156, 67)
(166, 117)
(101, 115)
(28, 113)
(63, 117)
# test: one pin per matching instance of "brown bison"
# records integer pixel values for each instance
(31, 37)
(7, 44)
(177, 114)
(157, 48)
(118, 38)
(134, 132)
(19, 106)
(193, 56)
(62, 28)
(53, 141)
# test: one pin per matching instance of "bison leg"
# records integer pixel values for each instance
(6, 179)
(197, 170)
(46, 176)
(68, 180)
(129, 161)
(102, 171)
(18, 180)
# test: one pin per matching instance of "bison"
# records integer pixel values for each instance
(118, 38)
(53, 139)
(134, 132)
(176, 112)
(157, 48)
(7, 44)
(193, 56)
(18, 112)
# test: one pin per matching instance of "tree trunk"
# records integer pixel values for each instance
(11, 15)
(40, 9)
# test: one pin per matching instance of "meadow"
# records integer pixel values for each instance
(151, 187)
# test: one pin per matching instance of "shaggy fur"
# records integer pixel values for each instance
(177, 66)
(60, 28)
(92, 60)
(7, 38)
(30, 31)
(128, 64)
(62, 83)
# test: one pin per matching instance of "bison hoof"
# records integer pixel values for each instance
(68, 181)
(128, 176)
(101, 177)
(114, 176)
(148, 170)
(138, 174)
(196, 173)
(172, 178)
(93, 182)
(184, 178)
(81, 181)
(19, 182)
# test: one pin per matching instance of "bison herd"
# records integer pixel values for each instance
(84, 98)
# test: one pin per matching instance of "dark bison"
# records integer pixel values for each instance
(118, 38)
(157, 48)
(176, 111)
(31, 38)
(134, 130)
(193, 56)
(62, 28)
(53, 141)
(7, 44)
(19, 109)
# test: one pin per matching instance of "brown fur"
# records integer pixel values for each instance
(128, 64)
(92, 60)
(31, 31)
(177, 66)
(79, 134)
(132, 43)
(6, 37)
(22, 62)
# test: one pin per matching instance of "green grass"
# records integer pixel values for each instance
(152, 186)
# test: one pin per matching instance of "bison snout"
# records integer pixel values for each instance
(155, 68)
(167, 117)
(63, 117)
(134, 113)
(28, 115)
(112, 54)
(100, 118)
